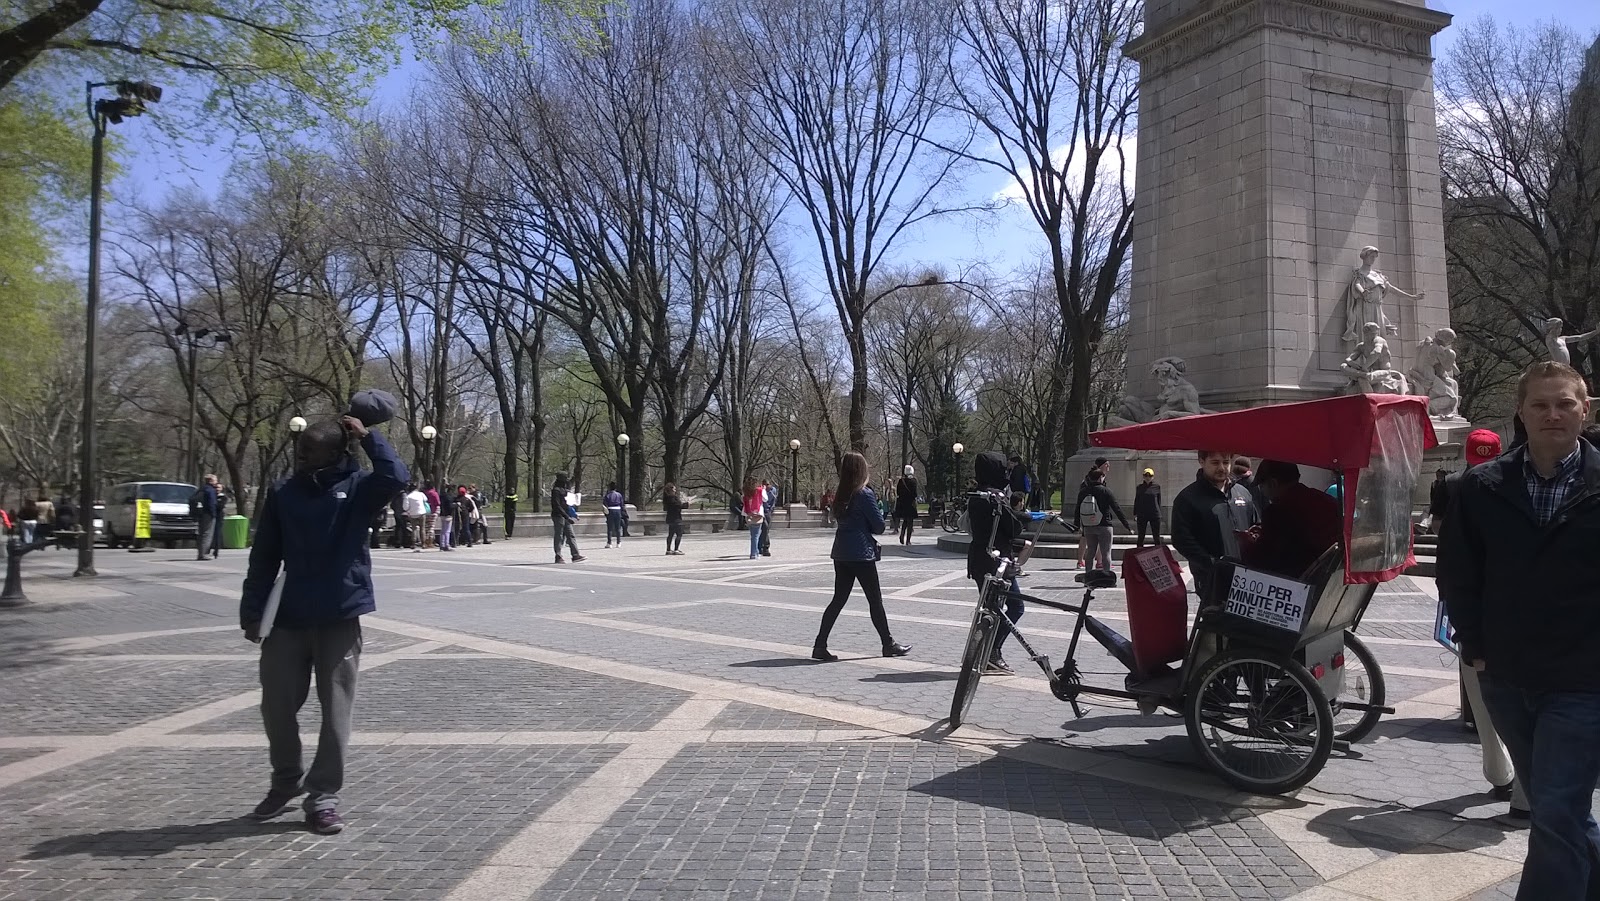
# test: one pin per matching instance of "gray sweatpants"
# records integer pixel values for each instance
(205, 534)
(1098, 546)
(289, 658)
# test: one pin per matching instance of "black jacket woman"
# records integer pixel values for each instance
(905, 503)
(855, 556)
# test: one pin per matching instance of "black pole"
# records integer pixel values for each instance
(794, 474)
(194, 458)
(86, 475)
(11, 595)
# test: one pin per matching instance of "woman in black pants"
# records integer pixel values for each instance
(905, 503)
(673, 503)
(855, 556)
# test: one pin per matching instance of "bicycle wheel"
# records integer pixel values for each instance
(980, 644)
(1363, 682)
(1260, 721)
(948, 522)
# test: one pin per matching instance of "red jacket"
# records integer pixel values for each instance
(1296, 528)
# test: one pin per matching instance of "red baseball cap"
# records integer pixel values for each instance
(1482, 446)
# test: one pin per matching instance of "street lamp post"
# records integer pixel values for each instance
(955, 470)
(428, 434)
(297, 425)
(794, 470)
(130, 101)
(193, 337)
(622, 464)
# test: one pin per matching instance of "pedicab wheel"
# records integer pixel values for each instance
(1363, 682)
(980, 644)
(1260, 721)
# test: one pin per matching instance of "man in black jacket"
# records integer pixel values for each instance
(1096, 506)
(989, 516)
(1207, 516)
(314, 526)
(1147, 507)
(1518, 571)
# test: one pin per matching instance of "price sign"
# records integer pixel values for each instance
(1268, 599)
(141, 518)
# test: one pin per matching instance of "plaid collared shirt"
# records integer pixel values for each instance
(1549, 494)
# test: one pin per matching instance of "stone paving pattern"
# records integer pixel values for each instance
(777, 817)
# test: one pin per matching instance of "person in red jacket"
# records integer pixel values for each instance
(1297, 526)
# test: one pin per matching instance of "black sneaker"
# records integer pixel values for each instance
(999, 667)
(276, 802)
(324, 822)
(559, 560)
(895, 649)
(578, 558)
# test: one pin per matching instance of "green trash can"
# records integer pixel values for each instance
(235, 532)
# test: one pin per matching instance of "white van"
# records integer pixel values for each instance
(170, 520)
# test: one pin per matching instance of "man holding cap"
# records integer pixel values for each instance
(1147, 507)
(313, 526)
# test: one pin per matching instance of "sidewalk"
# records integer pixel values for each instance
(648, 727)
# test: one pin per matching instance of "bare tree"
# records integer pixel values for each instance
(1048, 82)
(1519, 146)
(843, 98)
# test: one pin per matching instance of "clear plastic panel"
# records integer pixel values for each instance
(1380, 528)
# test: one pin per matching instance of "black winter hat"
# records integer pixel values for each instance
(990, 470)
(372, 406)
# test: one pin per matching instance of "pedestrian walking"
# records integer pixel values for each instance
(673, 504)
(28, 517)
(47, 517)
(1147, 507)
(402, 525)
(416, 508)
(905, 503)
(1521, 581)
(769, 500)
(480, 515)
(205, 506)
(855, 557)
(1096, 506)
(752, 508)
(432, 525)
(1439, 498)
(614, 503)
(446, 520)
(563, 516)
(313, 526)
(1103, 466)
(508, 511)
(223, 496)
(468, 516)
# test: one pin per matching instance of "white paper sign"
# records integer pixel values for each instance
(1268, 599)
(1157, 570)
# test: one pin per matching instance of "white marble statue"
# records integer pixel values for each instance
(1363, 299)
(1556, 344)
(1369, 367)
(1434, 375)
(1176, 398)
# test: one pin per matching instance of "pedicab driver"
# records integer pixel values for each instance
(1207, 518)
(1298, 525)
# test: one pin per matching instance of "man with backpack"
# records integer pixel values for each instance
(1096, 506)
(203, 506)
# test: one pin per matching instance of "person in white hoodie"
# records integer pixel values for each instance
(416, 515)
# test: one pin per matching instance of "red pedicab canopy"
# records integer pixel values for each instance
(1375, 441)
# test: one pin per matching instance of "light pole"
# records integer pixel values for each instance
(622, 464)
(193, 337)
(428, 434)
(955, 470)
(130, 100)
(297, 425)
(794, 469)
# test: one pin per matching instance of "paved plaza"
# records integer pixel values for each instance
(648, 727)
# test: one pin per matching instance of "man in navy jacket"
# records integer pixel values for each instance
(314, 525)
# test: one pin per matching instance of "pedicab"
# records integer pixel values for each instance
(1269, 678)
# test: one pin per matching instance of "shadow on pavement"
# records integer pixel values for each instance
(158, 840)
(1391, 827)
(777, 662)
(913, 677)
(1036, 790)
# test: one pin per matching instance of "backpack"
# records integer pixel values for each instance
(197, 502)
(1089, 514)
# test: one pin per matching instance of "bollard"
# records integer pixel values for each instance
(12, 595)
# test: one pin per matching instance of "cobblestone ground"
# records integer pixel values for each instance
(650, 727)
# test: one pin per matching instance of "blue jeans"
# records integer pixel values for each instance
(1554, 741)
(755, 539)
(1014, 610)
(613, 525)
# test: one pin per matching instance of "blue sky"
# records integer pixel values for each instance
(156, 165)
